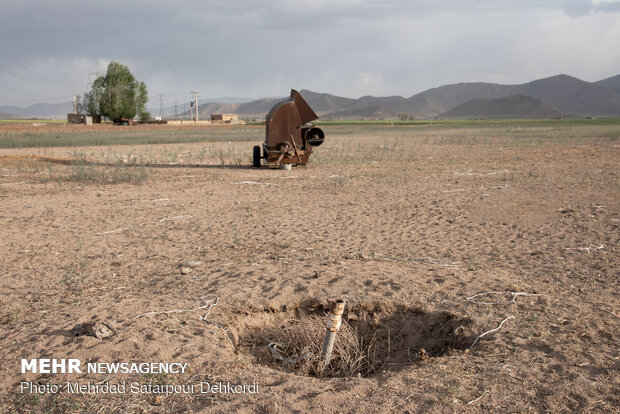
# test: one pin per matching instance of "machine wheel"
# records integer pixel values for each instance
(256, 156)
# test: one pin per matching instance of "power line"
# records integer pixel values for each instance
(33, 98)
(13, 89)
(16, 75)
(31, 70)
(42, 82)
(175, 94)
(28, 80)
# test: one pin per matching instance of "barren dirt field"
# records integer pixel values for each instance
(479, 265)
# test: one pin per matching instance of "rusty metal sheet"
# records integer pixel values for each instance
(283, 123)
(305, 112)
(287, 137)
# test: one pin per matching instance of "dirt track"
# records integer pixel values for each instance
(405, 229)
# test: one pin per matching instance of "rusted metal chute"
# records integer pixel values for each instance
(289, 137)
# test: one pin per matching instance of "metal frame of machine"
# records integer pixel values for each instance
(289, 137)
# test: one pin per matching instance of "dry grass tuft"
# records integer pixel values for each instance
(85, 172)
(296, 345)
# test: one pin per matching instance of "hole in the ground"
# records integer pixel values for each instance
(371, 339)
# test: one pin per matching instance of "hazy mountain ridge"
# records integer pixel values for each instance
(566, 94)
(39, 110)
(611, 83)
(515, 106)
(206, 109)
(5, 115)
(561, 95)
(573, 96)
(365, 112)
(436, 101)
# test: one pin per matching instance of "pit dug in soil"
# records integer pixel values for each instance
(368, 341)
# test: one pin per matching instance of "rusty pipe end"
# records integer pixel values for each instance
(334, 317)
(337, 306)
(334, 320)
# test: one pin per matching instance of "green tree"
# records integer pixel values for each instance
(117, 95)
(89, 104)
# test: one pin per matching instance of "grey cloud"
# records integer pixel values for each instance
(264, 47)
(608, 6)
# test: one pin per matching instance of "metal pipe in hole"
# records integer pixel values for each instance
(334, 320)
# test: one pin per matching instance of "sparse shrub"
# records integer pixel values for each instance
(297, 344)
(76, 274)
(86, 172)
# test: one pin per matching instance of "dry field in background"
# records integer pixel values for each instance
(433, 235)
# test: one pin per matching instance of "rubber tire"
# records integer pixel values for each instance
(256, 156)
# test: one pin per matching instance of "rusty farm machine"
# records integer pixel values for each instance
(289, 138)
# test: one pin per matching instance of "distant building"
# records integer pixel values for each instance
(224, 117)
(83, 119)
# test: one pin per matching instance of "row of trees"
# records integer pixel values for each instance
(117, 95)
(406, 117)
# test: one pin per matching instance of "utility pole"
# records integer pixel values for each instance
(161, 106)
(176, 112)
(196, 105)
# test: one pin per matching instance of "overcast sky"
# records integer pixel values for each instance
(50, 50)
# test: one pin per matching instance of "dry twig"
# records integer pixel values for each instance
(428, 260)
(217, 324)
(473, 401)
(252, 183)
(176, 218)
(589, 249)
(506, 292)
(204, 300)
(13, 333)
(273, 347)
(146, 222)
(491, 331)
(155, 200)
(113, 231)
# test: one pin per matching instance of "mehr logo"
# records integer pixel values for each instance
(73, 366)
(51, 366)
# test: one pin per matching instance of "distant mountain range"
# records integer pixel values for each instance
(556, 96)
(515, 106)
(611, 83)
(40, 110)
(568, 95)
(4, 115)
